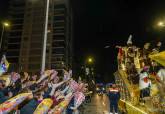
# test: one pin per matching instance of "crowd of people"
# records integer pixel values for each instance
(41, 86)
(142, 70)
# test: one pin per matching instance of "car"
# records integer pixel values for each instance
(100, 88)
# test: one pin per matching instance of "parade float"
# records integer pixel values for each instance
(131, 62)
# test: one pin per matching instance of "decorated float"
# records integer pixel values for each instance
(141, 79)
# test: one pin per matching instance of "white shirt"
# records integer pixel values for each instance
(142, 84)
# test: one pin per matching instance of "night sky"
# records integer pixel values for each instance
(110, 22)
(98, 23)
(3, 9)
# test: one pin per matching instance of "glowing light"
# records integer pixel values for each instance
(90, 60)
(103, 103)
(6, 24)
(49, 31)
(161, 24)
(107, 47)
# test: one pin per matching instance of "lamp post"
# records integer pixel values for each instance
(5, 24)
(45, 37)
(88, 64)
(89, 70)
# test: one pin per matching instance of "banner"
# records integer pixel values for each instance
(44, 106)
(12, 103)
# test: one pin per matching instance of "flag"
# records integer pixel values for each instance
(74, 85)
(4, 65)
(79, 98)
(82, 87)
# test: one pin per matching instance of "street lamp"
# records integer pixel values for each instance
(5, 24)
(90, 60)
(89, 72)
(89, 65)
(161, 24)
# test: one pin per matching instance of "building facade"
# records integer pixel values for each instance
(30, 31)
(13, 45)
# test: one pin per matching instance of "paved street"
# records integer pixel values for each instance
(99, 105)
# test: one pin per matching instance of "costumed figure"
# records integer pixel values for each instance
(144, 84)
(130, 56)
(130, 50)
(145, 52)
(120, 58)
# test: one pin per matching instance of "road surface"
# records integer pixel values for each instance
(99, 105)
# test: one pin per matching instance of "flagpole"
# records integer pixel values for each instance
(45, 37)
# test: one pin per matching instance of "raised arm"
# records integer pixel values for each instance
(54, 86)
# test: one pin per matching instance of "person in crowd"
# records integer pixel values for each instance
(23, 79)
(3, 91)
(114, 96)
(48, 86)
(56, 84)
(88, 95)
(70, 108)
(57, 97)
(15, 86)
(30, 107)
(31, 82)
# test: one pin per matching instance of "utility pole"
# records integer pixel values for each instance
(45, 37)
